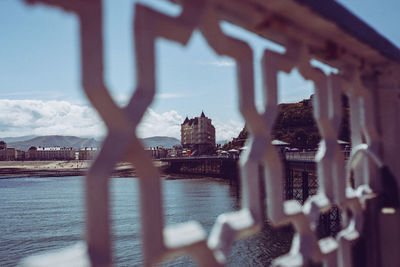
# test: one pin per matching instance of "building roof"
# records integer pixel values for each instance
(191, 122)
(194, 120)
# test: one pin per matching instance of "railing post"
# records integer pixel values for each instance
(388, 110)
(289, 181)
(305, 189)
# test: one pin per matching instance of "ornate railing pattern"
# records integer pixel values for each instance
(367, 72)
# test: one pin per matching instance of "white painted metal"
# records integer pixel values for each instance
(302, 42)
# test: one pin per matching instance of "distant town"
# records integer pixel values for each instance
(46, 153)
(294, 130)
(197, 138)
(196, 153)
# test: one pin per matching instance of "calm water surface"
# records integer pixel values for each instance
(40, 214)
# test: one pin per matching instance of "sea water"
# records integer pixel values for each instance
(41, 214)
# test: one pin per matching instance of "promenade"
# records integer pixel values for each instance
(13, 169)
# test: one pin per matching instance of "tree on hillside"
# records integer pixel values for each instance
(295, 124)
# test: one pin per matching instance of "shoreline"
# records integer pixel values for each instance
(21, 169)
(54, 169)
(40, 169)
(21, 173)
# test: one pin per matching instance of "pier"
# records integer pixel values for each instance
(300, 170)
(301, 179)
(214, 166)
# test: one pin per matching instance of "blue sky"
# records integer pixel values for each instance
(40, 91)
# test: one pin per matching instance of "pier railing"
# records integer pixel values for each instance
(367, 72)
(302, 156)
(308, 155)
(196, 157)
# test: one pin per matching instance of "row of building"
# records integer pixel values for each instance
(46, 153)
(158, 152)
(66, 153)
(197, 138)
(69, 153)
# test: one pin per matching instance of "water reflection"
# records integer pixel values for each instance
(43, 214)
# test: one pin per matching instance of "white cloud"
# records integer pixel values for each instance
(25, 117)
(227, 130)
(169, 124)
(164, 124)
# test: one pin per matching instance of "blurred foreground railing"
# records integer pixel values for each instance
(367, 72)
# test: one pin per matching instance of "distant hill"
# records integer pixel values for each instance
(78, 142)
(55, 140)
(17, 139)
(164, 141)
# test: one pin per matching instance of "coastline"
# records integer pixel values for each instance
(20, 169)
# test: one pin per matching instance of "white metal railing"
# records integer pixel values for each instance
(368, 72)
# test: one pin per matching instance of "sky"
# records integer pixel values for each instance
(41, 94)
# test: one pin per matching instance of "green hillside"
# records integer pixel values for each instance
(295, 124)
